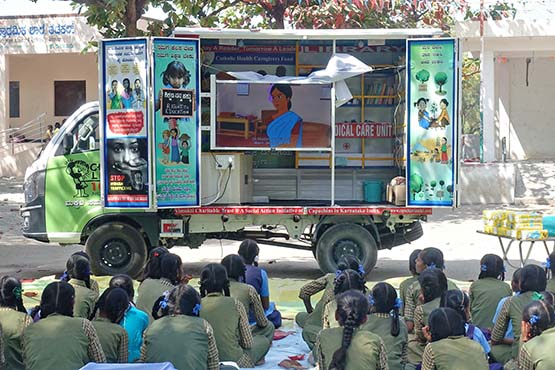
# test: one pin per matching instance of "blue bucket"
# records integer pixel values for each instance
(373, 191)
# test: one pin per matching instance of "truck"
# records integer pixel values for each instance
(170, 158)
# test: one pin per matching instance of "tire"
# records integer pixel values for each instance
(116, 248)
(343, 239)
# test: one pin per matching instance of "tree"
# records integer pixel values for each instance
(440, 79)
(423, 76)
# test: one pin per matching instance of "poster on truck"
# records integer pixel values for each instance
(432, 93)
(124, 75)
(272, 116)
(176, 122)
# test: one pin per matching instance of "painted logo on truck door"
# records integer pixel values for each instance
(86, 178)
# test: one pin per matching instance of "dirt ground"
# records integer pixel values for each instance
(453, 231)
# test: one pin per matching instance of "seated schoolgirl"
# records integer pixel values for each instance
(538, 337)
(151, 288)
(78, 269)
(111, 307)
(550, 272)
(459, 301)
(486, 292)
(427, 258)
(134, 320)
(229, 320)
(532, 282)
(405, 284)
(93, 283)
(258, 278)
(449, 349)
(14, 320)
(346, 280)
(432, 285)
(59, 340)
(348, 346)
(179, 335)
(246, 294)
(384, 321)
(313, 317)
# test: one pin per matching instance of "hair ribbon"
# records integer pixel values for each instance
(398, 303)
(17, 292)
(483, 267)
(155, 254)
(534, 319)
(361, 270)
(371, 300)
(432, 265)
(337, 273)
(547, 263)
(537, 296)
(164, 302)
(196, 309)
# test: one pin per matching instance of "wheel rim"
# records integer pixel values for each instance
(115, 253)
(346, 247)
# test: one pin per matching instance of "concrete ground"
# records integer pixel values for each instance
(453, 231)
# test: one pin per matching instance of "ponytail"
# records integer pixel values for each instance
(11, 293)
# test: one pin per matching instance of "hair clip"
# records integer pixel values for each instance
(534, 319)
(17, 292)
(398, 303)
(164, 302)
(196, 309)
(155, 254)
(337, 273)
(64, 276)
(547, 263)
(371, 300)
(483, 267)
(432, 266)
(537, 296)
(361, 270)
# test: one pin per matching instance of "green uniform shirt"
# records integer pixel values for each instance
(363, 353)
(113, 339)
(180, 339)
(540, 350)
(454, 353)
(380, 324)
(485, 294)
(517, 304)
(315, 318)
(149, 291)
(403, 288)
(13, 324)
(85, 299)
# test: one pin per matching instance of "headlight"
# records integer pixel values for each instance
(31, 188)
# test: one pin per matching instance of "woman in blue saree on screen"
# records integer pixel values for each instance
(286, 127)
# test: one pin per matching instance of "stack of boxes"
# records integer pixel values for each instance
(514, 224)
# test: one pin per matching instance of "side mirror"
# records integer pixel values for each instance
(68, 143)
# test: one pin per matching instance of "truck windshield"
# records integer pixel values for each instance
(84, 137)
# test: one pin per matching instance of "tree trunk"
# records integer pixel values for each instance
(131, 21)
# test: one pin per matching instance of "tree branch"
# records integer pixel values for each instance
(223, 7)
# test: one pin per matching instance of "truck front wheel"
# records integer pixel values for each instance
(116, 248)
(344, 239)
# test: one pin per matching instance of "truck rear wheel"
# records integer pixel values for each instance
(116, 248)
(344, 239)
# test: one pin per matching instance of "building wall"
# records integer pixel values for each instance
(36, 75)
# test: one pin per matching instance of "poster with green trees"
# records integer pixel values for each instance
(432, 104)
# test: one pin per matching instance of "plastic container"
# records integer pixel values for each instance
(549, 225)
(373, 191)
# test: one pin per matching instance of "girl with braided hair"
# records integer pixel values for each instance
(14, 320)
(111, 307)
(538, 337)
(179, 335)
(405, 284)
(459, 301)
(384, 322)
(348, 346)
(488, 290)
(92, 284)
(229, 320)
(59, 340)
(346, 280)
(78, 270)
(449, 349)
(246, 294)
(312, 318)
(152, 288)
(258, 278)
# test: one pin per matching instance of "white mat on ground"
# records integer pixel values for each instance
(292, 345)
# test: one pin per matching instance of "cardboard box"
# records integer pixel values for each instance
(397, 194)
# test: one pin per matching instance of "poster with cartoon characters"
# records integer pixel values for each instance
(432, 93)
(125, 113)
(176, 122)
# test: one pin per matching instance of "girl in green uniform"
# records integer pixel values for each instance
(169, 275)
(229, 320)
(538, 337)
(405, 284)
(346, 280)
(488, 290)
(59, 340)
(179, 335)
(348, 347)
(14, 320)
(449, 349)
(93, 283)
(550, 272)
(78, 269)
(311, 320)
(247, 295)
(532, 282)
(432, 285)
(111, 306)
(384, 322)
